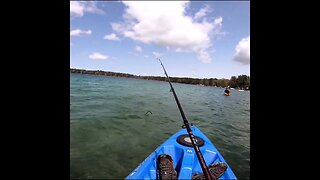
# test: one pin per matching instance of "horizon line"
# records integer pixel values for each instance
(156, 75)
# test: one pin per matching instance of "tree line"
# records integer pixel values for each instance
(240, 82)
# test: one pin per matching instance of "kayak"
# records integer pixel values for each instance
(227, 94)
(185, 160)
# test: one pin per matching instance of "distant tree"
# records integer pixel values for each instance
(211, 82)
(233, 82)
(206, 82)
(243, 81)
(201, 81)
(222, 82)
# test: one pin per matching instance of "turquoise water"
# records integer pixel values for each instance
(111, 134)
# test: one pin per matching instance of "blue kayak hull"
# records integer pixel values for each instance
(184, 158)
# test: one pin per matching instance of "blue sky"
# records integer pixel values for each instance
(209, 39)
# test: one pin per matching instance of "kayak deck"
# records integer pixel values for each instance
(184, 158)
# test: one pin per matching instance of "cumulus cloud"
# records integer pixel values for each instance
(202, 12)
(242, 53)
(138, 49)
(77, 9)
(111, 37)
(98, 56)
(157, 54)
(165, 23)
(78, 32)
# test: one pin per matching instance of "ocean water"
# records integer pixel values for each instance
(112, 132)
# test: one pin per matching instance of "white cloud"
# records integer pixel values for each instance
(78, 32)
(77, 9)
(242, 53)
(98, 56)
(111, 37)
(138, 49)
(202, 12)
(165, 23)
(157, 54)
(204, 56)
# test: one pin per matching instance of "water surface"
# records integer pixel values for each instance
(111, 134)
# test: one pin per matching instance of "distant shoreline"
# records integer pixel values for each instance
(242, 82)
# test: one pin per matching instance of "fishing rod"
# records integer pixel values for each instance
(191, 136)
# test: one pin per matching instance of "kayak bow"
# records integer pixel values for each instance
(184, 158)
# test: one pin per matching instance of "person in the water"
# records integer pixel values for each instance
(227, 90)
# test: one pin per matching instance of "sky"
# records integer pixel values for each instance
(202, 39)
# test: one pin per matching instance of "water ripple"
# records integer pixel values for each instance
(110, 133)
